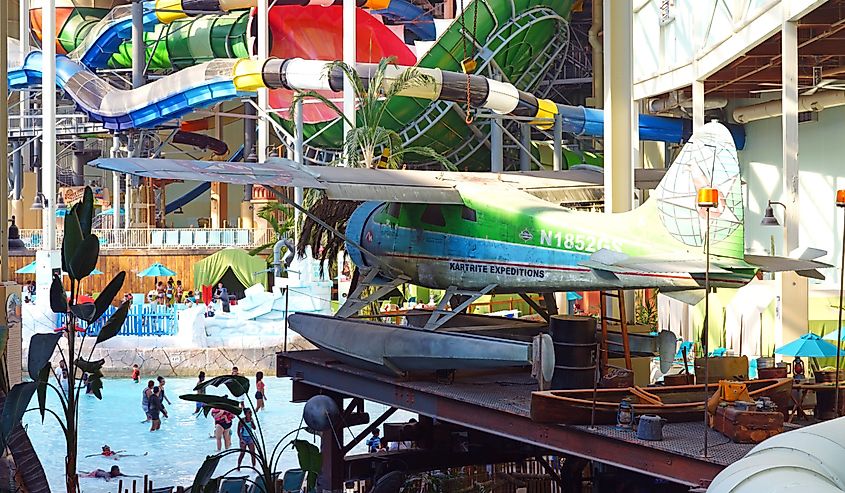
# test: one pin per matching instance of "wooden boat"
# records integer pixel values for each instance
(676, 404)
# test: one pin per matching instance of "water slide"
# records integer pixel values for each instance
(520, 40)
(197, 191)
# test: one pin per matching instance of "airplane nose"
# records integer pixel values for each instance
(356, 232)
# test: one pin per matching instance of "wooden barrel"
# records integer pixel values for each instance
(575, 351)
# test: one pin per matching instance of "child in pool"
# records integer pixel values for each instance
(260, 396)
(136, 373)
(246, 437)
(101, 474)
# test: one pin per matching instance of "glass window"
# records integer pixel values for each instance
(433, 214)
(468, 214)
(394, 208)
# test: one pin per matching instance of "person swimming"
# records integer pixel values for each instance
(114, 454)
(114, 472)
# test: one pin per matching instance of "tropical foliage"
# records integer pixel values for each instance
(80, 252)
(367, 145)
(282, 228)
(266, 458)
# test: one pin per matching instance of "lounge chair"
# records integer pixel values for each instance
(292, 480)
(233, 485)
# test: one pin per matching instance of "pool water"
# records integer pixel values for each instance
(173, 453)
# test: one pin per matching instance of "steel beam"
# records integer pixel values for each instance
(568, 440)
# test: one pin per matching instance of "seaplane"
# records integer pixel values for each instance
(471, 234)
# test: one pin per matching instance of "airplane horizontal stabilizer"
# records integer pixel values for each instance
(801, 266)
(620, 263)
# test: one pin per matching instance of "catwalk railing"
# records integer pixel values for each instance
(174, 238)
(143, 320)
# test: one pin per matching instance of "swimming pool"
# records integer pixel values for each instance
(175, 452)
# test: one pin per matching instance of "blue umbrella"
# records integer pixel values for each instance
(573, 296)
(96, 272)
(156, 270)
(27, 269)
(808, 345)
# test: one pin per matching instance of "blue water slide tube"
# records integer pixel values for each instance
(415, 19)
(197, 191)
(109, 33)
(149, 106)
(590, 122)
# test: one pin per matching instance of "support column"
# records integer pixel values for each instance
(4, 146)
(331, 478)
(139, 48)
(618, 103)
(349, 58)
(697, 104)
(263, 48)
(17, 184)
(250, 156)
(525, 148)
(497, 158)
(557, 139)
(23, 36)
(78, 163)
(794, 302)
(48, 257)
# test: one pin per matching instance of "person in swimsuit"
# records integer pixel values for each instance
(222, 427)
(240, 398)
(200, 379)
(136, 373)
(101, 474)
(145, 400)
(113, 454)
(163, 396)
(260, 396)
(156, 409)
(246, 437)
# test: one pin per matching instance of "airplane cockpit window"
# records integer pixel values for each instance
(469, 214)
(433, 214)
(394, 208)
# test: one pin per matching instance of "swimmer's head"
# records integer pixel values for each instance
(114, 471)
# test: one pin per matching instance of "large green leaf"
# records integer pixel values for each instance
(115, 323)
(43, 378)
(85, 211)
(90, 366)
(214, 402)
(85, 311)
(41, 348)
(16, 403)
(205, 472)
(85, 260)
(310, 460)
(95, 381)
(238, 385)
(106, 297)
(58, 298)
(71, 243)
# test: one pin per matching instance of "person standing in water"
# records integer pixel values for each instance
(156, 409)
(145, 400)
(161, 391)
(260, 396)
(240, 398)
(246, 437)
(200, 379)
(222, 427)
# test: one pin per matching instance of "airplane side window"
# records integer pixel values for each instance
(469, 214)
(393, 209)
(433, 214)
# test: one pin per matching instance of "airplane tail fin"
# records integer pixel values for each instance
(709, 160)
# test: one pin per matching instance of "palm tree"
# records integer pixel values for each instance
(367, 145)
(281, 228)
(363, 143)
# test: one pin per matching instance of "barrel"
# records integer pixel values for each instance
(574, 340)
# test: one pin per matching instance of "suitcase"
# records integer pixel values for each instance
(747, 426)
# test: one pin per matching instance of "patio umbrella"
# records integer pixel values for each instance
(808, 345)
(156, 270)
(27, 269)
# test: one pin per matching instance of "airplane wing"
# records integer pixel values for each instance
(340, 183)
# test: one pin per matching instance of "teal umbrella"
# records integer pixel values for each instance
(808, 345)
(156, 270)
(27, 269)
(829, 337)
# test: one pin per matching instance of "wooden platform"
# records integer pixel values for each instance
(498, 403)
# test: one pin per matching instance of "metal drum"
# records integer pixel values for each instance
(575, 351)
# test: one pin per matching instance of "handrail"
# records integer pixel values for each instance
(164, 239)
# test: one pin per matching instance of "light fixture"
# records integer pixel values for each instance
(38, 203)
(60, 203)
(707, 199)
(769, 218)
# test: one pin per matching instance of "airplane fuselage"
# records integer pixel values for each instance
(517, 247)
